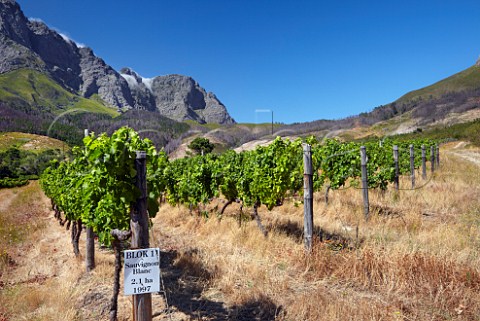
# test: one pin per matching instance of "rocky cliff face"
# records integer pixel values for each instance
(15, 40)
(177, 97)
(31, 44)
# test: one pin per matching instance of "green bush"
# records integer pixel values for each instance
(201, 145)
(12, 182)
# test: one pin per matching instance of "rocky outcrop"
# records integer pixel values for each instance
(61, 57)
(32, 44)
(216, 112)
(14, 56)
(13, 23)
(99, 78)
(15, 40)
(140, 89)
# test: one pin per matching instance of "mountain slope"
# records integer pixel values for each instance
(177, 97)
(449, 101)
(29, 142)
(454, 95)
(466, 80)
(26, 89)
(31, 44)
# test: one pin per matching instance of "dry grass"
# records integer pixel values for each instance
(42, 279)
(34, 285)
(30, 142)
(417, 258)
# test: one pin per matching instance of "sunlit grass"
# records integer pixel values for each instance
(416, 259)
(17, 89)
(31, 142)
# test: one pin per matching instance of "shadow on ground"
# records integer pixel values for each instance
(185, 278)
(347, 240)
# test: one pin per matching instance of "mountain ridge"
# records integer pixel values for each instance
(30, 43)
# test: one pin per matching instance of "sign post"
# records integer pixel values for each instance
(142, 302)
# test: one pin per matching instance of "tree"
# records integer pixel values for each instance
(201, 145)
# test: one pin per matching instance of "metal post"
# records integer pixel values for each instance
(424, 163)
(272, 122)
(307, 196)
(412, 165)
(363, 157)
(395, 159)
(142, 303)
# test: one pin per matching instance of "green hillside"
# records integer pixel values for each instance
(468, 79)
(30, 142)
(29, 89)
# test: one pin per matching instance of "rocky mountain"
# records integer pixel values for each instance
(42, 70)
(31, 44)
(176, 97)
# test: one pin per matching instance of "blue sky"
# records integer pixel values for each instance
(305, 60)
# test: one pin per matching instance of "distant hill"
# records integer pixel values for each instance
(449, 101)
(464, 81)
(43, 74)
(30, 142)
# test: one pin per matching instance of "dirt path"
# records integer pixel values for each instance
(44, 279)
(6, 198)
(471, 155)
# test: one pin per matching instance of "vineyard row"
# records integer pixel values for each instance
(97, 187)
(114, 184)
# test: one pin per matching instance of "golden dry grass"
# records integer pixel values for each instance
(43, 280)
(35, 284)
(417, 258)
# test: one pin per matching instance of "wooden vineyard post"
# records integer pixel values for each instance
(438, 156)
(395, 159)
(89, 242)
(424, 163)
(363, 159)
(307, 197)
(412, 165)
(142, 303)
(432, 158)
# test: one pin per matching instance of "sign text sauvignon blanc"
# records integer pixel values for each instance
(142, 271)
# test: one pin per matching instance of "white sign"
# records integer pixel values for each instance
(142, 271)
